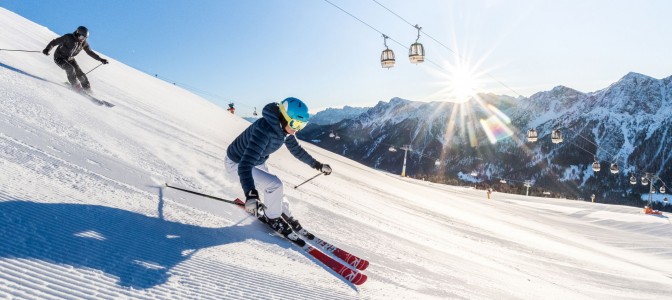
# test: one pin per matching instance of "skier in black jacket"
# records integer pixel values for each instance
(69, 45)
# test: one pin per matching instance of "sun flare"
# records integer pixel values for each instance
(459, 81)
(462, 82)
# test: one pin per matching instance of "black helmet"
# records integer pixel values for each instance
(81, 31)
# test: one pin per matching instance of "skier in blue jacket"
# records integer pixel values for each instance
(246, 159)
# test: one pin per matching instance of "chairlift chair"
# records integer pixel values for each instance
(331, 134)
(596, 166)
(437, 162)
(556, 136)
(645, 180)
(633, 180)
(662, 189)
(254, 113)
(532, 135)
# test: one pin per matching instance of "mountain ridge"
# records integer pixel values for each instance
(624, 123)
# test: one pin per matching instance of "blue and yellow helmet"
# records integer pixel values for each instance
(295, 112)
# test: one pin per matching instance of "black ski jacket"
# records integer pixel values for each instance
(69, 47)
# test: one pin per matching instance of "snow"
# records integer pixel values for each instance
(84, 215)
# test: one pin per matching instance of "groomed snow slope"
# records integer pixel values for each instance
(83, 214)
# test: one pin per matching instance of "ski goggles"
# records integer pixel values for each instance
(293, 123)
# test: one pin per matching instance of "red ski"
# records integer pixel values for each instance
(359, 263)
(353, 260)
(347, 273)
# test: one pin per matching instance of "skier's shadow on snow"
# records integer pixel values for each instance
(140, 250)
(21, 72)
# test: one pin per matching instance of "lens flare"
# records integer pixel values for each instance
(500, 114)
(495, 129)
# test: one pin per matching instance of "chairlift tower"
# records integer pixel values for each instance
(406, 148)
(528, 184)
(650, 179)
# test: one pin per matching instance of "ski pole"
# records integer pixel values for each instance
(311, 178)
(204, 195)
(17, 50)
(94, 68)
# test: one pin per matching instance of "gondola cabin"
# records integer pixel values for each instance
(416, 54)
(613, 169)
(387, 59)
(532, 135)
(556, 137)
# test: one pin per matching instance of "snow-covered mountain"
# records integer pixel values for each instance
(84, 213)
(334, 115)
(627, 123)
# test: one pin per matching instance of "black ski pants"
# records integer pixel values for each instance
(73, 71)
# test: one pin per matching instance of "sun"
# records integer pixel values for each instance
(462, 82)
(459, 81)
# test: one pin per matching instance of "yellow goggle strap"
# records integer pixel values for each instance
(294, 124)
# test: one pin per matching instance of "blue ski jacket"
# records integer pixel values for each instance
(254, 145)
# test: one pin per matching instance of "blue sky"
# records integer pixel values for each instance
(256, 51)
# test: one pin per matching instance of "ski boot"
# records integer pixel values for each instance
(77, 88)
(87, 91)
(280, 226)
(294, 223)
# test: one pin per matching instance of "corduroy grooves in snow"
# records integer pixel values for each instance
(84, 215)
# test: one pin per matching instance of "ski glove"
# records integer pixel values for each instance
(104, 61)
(45, 51)
(324, 168)
(252, 202)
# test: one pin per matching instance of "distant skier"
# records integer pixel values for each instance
(69, 45)
(247, 155)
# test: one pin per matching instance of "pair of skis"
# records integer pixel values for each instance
(92, 98)
(98, 101)
(347, 272)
